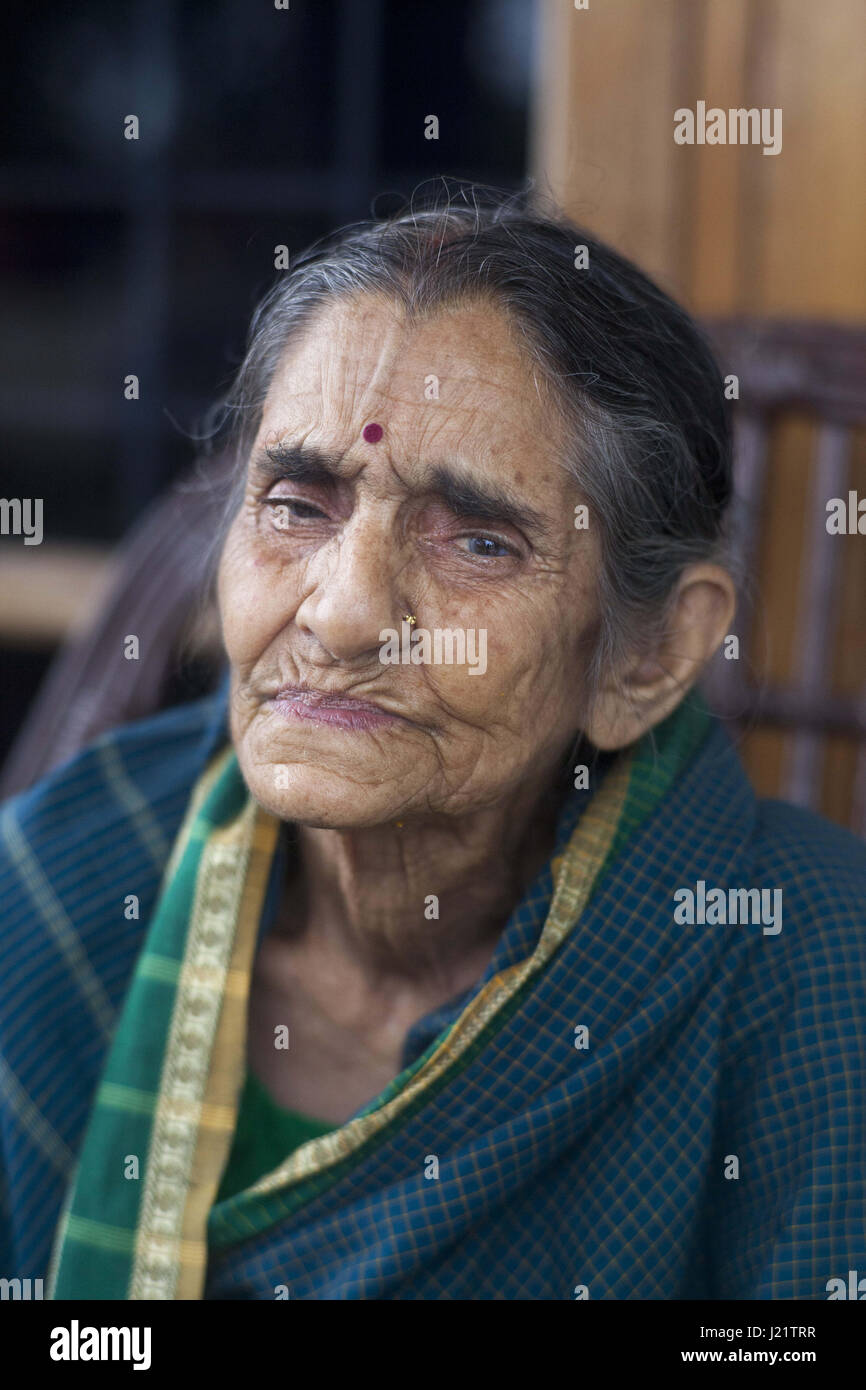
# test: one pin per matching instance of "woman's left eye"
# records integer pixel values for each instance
(488, 547)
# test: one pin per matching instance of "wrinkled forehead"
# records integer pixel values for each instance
(459, 374)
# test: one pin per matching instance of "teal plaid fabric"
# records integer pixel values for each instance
(559, 1170)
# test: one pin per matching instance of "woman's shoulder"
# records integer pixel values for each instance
(820, 860)
(104, 822)
(817, 870)
(147, 760)
(797, 995)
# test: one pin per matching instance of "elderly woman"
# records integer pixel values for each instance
(446, 953)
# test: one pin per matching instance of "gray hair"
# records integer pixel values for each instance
(632, 376)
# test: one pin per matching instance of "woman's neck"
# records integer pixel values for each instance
(422, 902)
(377, 929)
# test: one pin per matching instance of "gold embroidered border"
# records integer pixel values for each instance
(186, 1069)
(228, 1064)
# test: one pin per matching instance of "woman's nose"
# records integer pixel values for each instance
(353, 590)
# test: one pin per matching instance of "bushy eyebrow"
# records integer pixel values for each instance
(465, 497)
(299, 465)
(461, 493)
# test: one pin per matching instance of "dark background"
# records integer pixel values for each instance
(258, 127)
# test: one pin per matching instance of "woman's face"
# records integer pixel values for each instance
(462, 514)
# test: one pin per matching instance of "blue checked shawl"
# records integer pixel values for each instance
(562, 1172)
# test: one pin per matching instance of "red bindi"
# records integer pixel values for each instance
(373, 433)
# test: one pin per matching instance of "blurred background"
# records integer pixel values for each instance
(263, 126)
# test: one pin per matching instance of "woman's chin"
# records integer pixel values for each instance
(322, 799)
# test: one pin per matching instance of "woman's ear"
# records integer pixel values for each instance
(699, 618)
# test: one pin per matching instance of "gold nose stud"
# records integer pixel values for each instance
(410, 619)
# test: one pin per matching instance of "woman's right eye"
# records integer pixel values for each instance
(285, 510)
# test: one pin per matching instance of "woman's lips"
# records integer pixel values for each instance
(340, 711)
